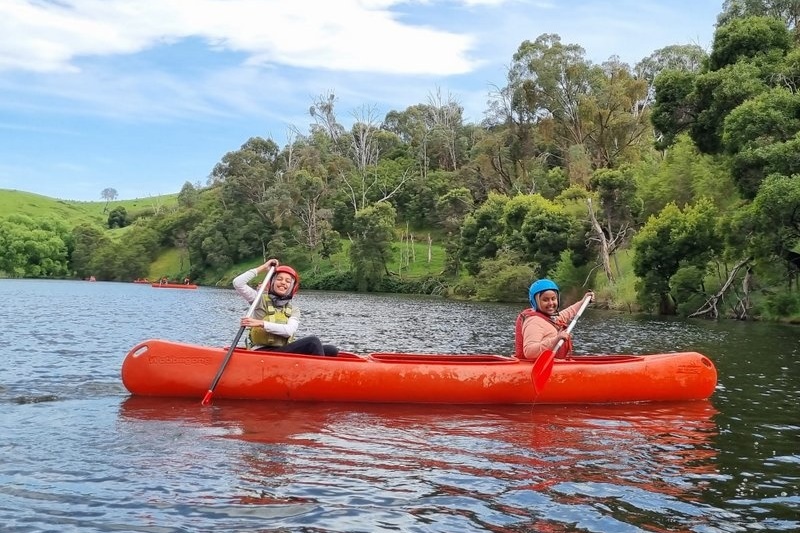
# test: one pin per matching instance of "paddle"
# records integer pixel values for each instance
(250, 311)
(543, 366)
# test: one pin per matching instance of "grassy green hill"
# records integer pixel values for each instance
(74, 212)
(407, 261)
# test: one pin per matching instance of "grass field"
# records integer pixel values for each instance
(170, 264)
(406, 261)
(403, 262)
(74, 212)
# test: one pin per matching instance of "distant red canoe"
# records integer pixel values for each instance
(173, 286)
(140, 280)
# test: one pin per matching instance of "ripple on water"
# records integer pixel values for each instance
(79, 455)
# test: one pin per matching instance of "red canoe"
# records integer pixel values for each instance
(165, 368)
(173, 286)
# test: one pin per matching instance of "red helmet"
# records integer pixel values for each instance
(288, 270)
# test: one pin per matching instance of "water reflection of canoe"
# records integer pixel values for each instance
(673, 425)
(173, 285)
(165, 368)
(670, 437)
(526, 468)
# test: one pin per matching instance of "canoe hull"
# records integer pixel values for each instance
(165, 368)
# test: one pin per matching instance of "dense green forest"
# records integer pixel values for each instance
(670, 187)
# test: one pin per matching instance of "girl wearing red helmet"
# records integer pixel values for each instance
(275, 319)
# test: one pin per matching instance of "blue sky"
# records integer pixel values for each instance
(145, 95)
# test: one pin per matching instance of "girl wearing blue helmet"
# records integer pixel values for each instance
(539, 328)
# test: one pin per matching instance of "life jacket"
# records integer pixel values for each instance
(268, 312)
(558, 323)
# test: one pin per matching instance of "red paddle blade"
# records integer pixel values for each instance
(207, 398)
(542, 368)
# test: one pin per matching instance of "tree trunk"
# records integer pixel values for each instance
(430, 249)
(605, 255)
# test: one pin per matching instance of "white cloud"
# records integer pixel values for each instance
(161, 89)
(348, 35)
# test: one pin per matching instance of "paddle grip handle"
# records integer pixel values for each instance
(571, 326)
(260, 293)
(581, 309)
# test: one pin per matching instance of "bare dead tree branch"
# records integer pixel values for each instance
(710, 306)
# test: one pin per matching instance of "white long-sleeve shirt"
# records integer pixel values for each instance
(240, 283)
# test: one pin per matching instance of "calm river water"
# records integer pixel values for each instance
(78, 454)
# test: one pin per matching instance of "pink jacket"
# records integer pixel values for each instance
(539, 334)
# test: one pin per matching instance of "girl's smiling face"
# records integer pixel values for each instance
(547, 302)
(282, 284)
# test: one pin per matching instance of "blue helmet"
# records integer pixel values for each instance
(541, 285)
